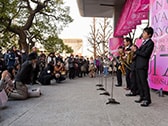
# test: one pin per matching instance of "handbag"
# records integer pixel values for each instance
(34, 92)
(3, 98)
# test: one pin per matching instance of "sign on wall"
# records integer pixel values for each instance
(158, 70)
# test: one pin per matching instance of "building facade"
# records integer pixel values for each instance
(75, 44)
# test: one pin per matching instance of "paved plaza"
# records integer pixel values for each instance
(78, 103)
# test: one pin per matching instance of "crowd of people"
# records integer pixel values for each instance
(18, 69)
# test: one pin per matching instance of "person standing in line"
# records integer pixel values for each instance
(142, 64)
(59, 58)
(127, 46)
(36, 69)
(106, 64)
(119, 66)
(2, 62)
(71, 62)
(134, 87)
(11, 57)
(42, 61)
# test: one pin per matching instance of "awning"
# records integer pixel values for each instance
(132, 13)
(99, 8)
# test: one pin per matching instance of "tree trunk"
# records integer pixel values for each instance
(94, 39)
(22, 42)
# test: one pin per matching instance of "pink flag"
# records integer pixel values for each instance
(133, 12)
(136, 14)
(138, 42)
(114, 43)
(123, 16)
(143, 6)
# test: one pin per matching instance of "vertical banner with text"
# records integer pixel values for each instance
(158, 70)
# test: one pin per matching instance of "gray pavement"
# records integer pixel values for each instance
(78, 103)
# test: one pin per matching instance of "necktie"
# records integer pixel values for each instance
(143, 43)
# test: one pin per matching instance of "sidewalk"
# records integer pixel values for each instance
(78, 103)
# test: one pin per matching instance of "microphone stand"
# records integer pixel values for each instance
(100, 81)
(112, 100)
(105, 77)
(101, 87)
(105, 88)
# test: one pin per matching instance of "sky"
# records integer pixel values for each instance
(79, 28)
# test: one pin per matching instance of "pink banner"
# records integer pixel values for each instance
(137, 13)
(123, 16)
(142, 6)
(158, 72)
(114, 43)
(138, 42)
(133, 12)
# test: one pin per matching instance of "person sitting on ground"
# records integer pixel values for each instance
(58, 70)
(47, 74)
(7, 80)
(63, 72)
(2, 62)
(23, 77)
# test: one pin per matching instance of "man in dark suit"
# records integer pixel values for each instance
(127, 49)
(119, 67)
(142, 63)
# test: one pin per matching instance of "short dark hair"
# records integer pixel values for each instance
(149, 31)
(10, 70)
(128, 40)
(32, 56)
(121, 47)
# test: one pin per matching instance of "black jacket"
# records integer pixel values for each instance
(143, 55)
(25, 73)
(46, 75)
